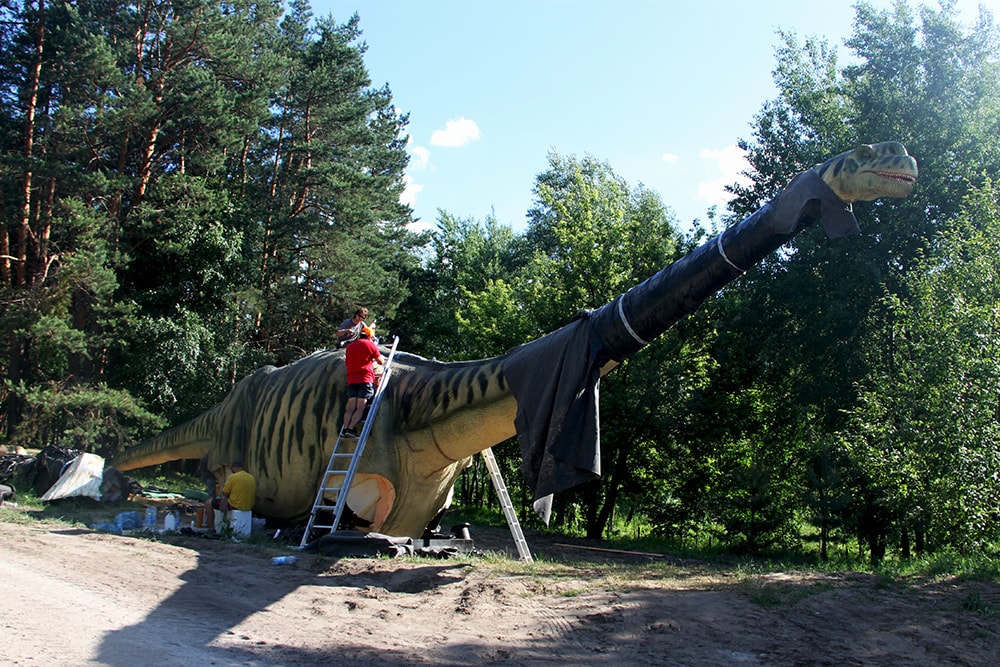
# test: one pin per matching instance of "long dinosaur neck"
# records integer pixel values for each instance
(637, 317)
(631, 321)
(555, 379)
(476, 397)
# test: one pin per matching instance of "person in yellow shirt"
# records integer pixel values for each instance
(238, 496)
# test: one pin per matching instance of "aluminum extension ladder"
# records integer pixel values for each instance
(336, 481)
(507, 505)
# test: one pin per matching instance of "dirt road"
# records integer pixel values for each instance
(76, 597)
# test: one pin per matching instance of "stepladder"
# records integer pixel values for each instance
(507, 505)
(335, 483)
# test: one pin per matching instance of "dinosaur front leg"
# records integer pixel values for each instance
(409, 472)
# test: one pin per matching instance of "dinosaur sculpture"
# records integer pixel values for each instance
(283, 422)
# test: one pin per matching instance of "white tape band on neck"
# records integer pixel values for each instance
(628, 327)
(718, 244)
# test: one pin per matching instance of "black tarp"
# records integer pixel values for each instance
(555, 379)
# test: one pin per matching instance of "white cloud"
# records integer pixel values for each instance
(731, 159)
(420, 157)
(456, 132)
(409, 197)
(670, 158)
(410, 191)
(729, 162)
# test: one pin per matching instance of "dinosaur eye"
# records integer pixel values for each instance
(865, 151)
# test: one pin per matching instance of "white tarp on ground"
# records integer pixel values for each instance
(82, 478)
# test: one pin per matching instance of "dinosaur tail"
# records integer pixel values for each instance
(191, 440)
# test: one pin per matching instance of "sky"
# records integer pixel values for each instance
(660, 90)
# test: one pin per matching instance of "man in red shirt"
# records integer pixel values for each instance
(360, 379)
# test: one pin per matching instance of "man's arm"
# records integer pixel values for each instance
(224, 502)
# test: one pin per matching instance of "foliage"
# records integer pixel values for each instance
(190, 190)
(88, 418)
(466, 285)
(929, 431)
(813, 333)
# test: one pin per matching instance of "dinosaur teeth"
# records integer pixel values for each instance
(906, 178)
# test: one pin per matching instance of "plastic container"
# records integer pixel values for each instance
(150, 517)
(201, 520)
(284, 560)
(170, 522)
(130, 520)
(107, 528)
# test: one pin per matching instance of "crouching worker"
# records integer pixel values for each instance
(238, 497)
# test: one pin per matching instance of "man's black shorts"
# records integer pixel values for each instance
(363, 390)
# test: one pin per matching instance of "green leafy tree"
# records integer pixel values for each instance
(467, 283)
(826, 492)
(324, 191)
(190, 189)
(57, 251)
(812, 325)
(930, 430)
(595, 237)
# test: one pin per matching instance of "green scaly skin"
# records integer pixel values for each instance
(870, 172)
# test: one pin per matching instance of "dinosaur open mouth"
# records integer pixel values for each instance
(894, 176)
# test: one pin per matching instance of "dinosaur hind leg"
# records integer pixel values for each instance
(371, 498)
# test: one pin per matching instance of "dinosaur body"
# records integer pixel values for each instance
(283, 422)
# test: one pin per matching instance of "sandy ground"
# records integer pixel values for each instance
(78, 597)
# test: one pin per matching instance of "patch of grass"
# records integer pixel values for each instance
(25, 500)
(983, 566)
(69, 511)
(16, 514)
(173, 482)
(757, 581)
(765, 594)
(974, 602)
(574, 592)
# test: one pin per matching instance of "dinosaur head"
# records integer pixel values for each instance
(870, 171)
